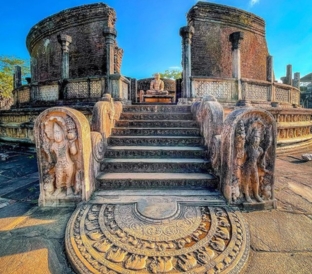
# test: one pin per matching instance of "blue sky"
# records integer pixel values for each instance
(148, 30)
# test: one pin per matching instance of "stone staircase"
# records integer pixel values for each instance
(156, 146)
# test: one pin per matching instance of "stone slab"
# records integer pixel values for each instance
(278, 262)
(277, 231)
(33, 241)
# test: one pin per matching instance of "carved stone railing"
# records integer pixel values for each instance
(226, 90)
(294, 125)
(84, 88)
(80, 88)
(253, 90)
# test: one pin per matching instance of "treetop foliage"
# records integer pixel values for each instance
(171, 74)
(7, 64)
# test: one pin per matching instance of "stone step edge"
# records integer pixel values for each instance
(107, 181)
(156, 128)
(155, 176)
(175, 148)
(156, 136)
(156, 160)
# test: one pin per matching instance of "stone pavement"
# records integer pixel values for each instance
(32, 238)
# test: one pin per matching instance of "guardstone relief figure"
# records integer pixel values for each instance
(60, 147)
(239, 159)
(250, 175)
(253, 162)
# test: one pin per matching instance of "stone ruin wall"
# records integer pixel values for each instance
(85, 25)
(213, 24)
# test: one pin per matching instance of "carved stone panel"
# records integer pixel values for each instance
(118, 238)
(248, 144)
(64, 150)
(48, 93)
(218, 89)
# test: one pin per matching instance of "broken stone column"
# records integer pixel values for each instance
(289, 75)
(235, 39)
(186, 33)
(270, 76)
(65, 41)
(17, 77)
(110, 36)
(296, 82)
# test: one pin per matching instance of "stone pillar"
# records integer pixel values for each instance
(65, 41)
(296, 82)
(110, 36)
(133, 90)
(17, 77)
(289, 75)
(235, 39)
(270, 76)
(186, 33)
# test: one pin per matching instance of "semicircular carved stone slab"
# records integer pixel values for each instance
(116, 238)
(64, 150)
(248, 149)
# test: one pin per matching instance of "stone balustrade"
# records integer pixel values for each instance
(81, 88)
(223, 89)
(226, 90)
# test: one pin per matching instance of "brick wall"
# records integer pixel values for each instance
(85, 25)
(211, 49)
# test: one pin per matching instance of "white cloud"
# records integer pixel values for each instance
(175, 67)
(253, 2)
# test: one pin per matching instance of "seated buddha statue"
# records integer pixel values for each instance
(157, 86)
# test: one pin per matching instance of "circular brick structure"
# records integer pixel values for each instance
(84, 25)
(213, 24)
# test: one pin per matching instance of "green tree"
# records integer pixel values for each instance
(7, 64)
(171, 74)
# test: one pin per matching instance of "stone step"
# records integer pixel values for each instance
(155, 141)
(144, 165)
(190, 181)
(122, 131)
(156, 108)
(163, 124)
(155, 116)
(154, 152)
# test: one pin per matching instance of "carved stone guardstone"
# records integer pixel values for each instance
(64, 152)
(247, 158)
